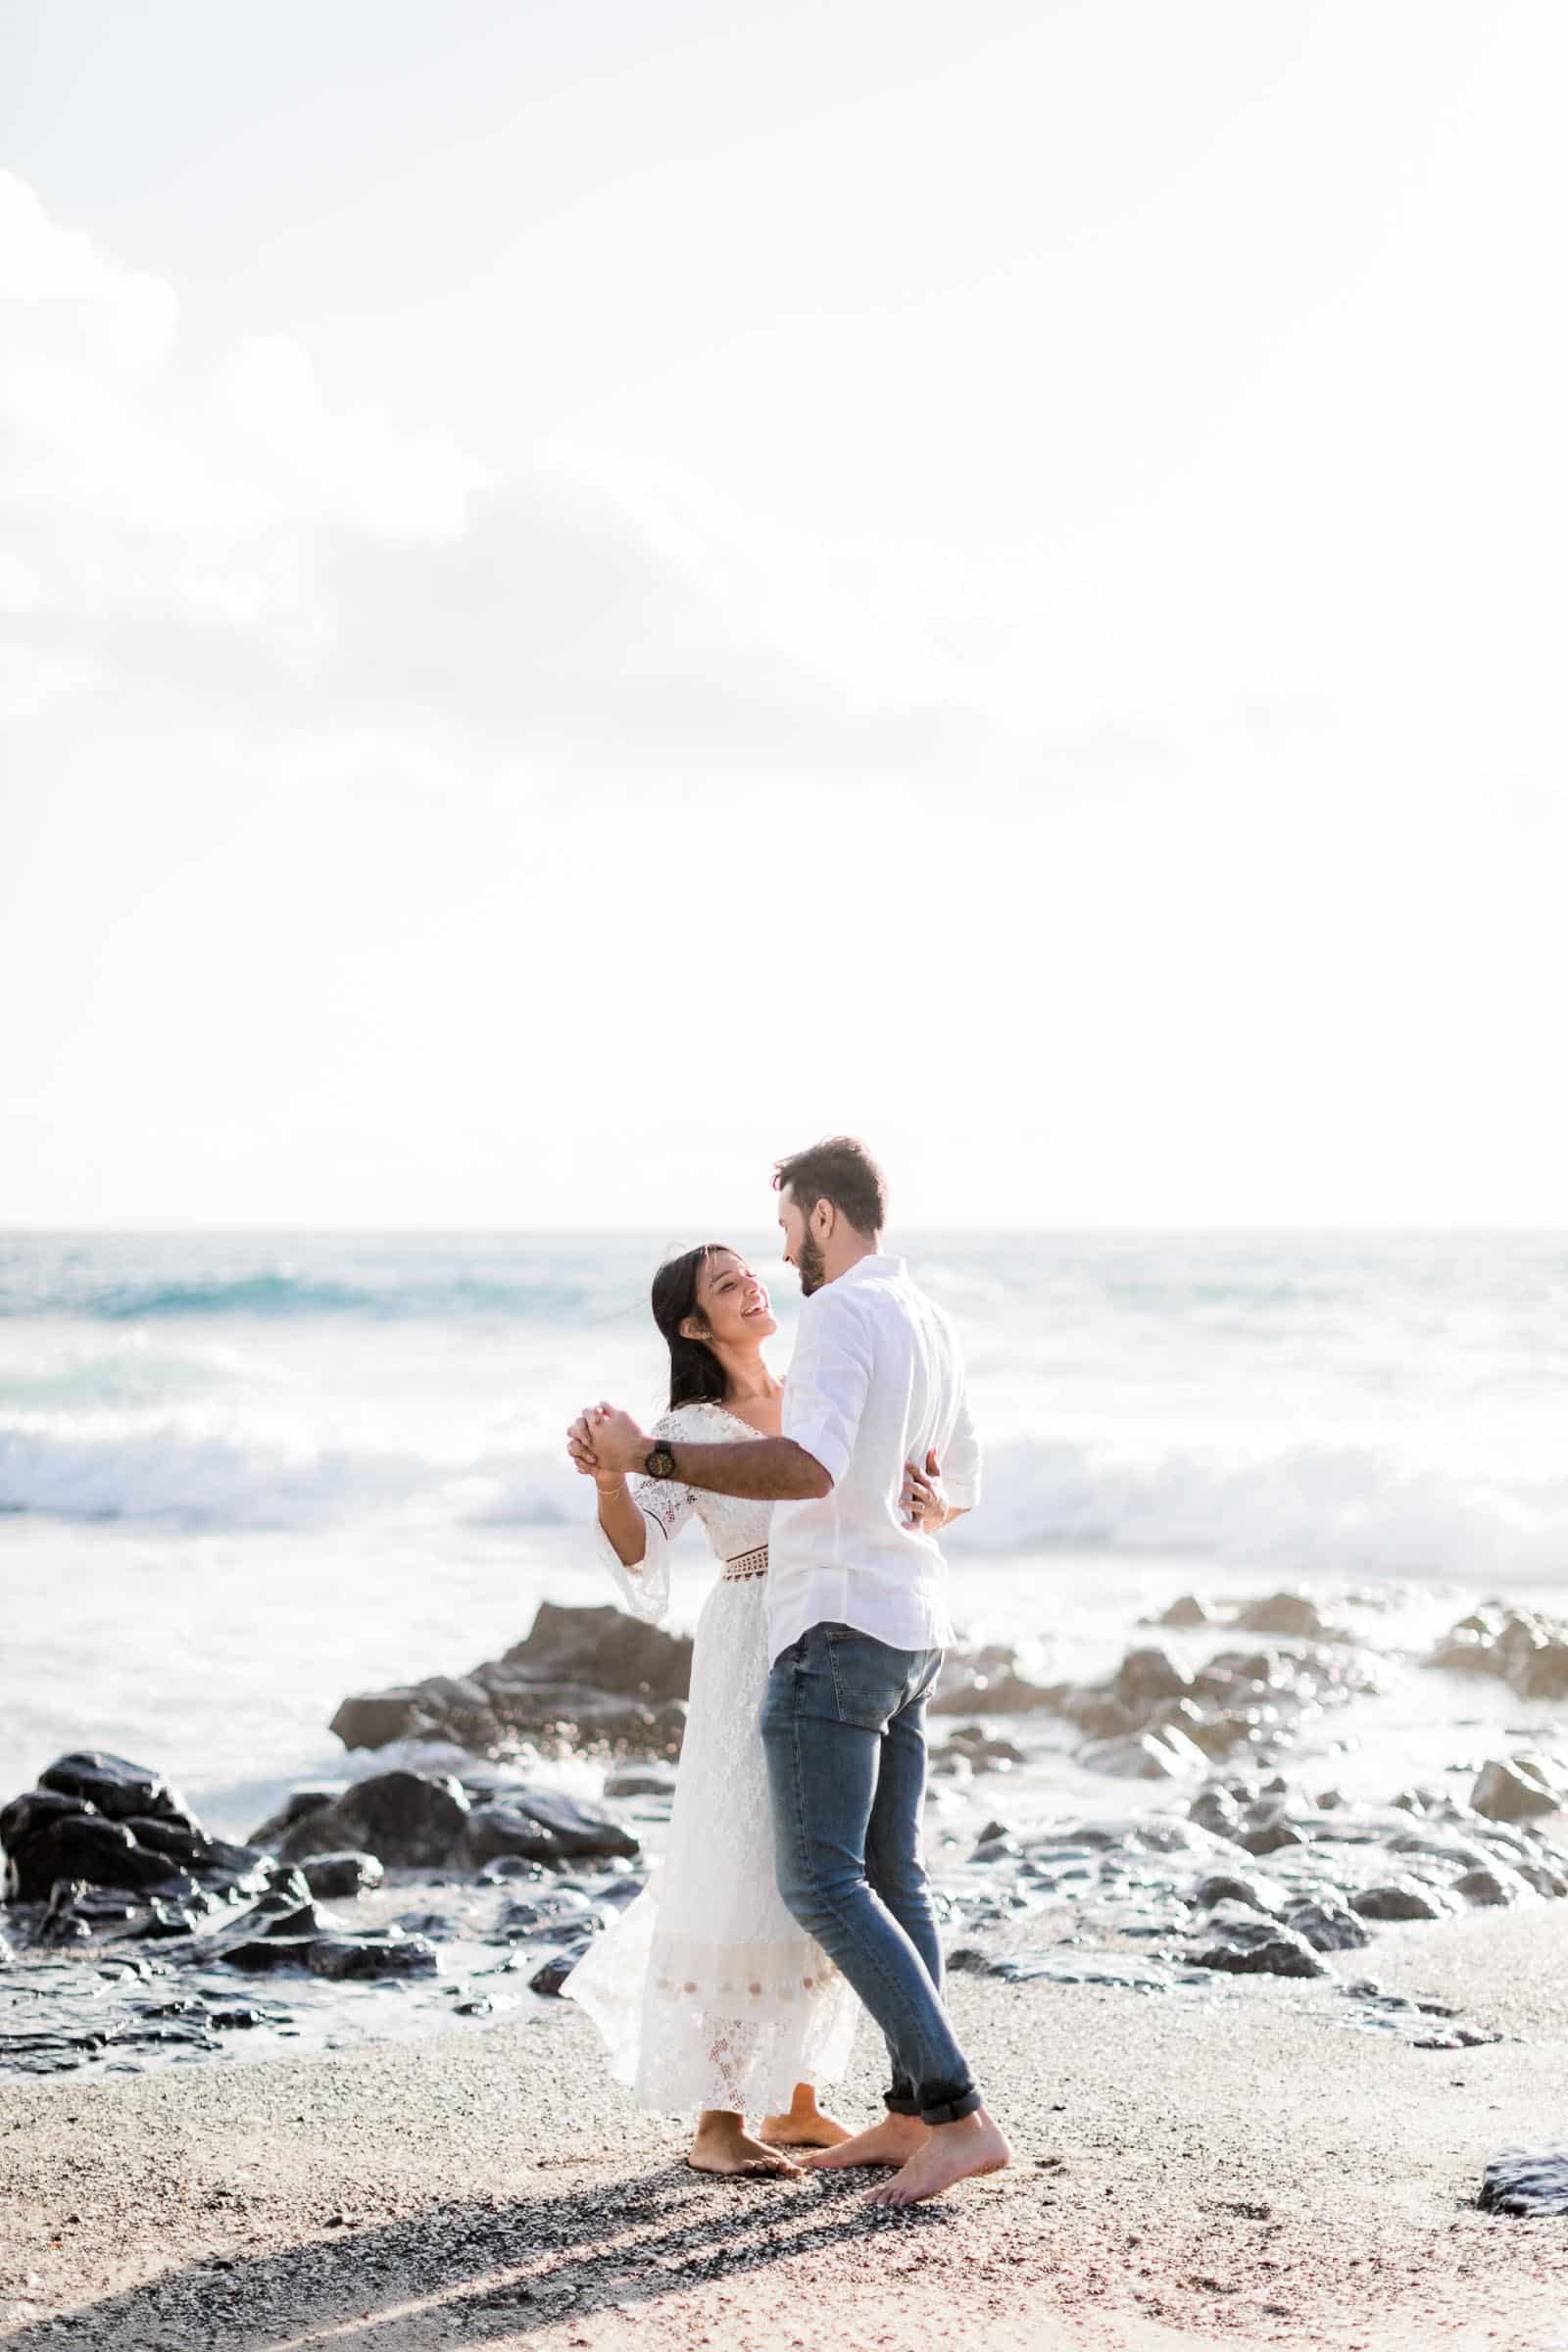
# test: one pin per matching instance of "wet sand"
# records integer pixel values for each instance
(1236, 2170)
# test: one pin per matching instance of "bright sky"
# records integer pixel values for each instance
(596, 590)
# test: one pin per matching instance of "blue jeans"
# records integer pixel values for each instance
(844, 1731)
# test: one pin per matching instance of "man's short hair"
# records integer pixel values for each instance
(840, 1170)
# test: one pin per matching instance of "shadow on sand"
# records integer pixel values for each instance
(470, 2272)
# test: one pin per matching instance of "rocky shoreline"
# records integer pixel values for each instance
(416, 1896)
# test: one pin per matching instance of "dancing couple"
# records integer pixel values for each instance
(794, 1880)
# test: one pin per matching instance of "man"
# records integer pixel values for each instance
(857, 1623)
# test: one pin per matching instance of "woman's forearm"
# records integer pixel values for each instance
(623, 1523)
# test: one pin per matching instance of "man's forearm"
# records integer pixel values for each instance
(766, 1470)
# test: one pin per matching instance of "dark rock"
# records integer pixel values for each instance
(1526, 2182)
(391, 1954)
(33, 1810)
(1264, 1895)
(1484, 1886)
(535, 1917)
(263, 1955)
(1188, 1610)
(1147, 1675)
(556, 1970)
(593, 1674)
(1214, 1809)
(1098, 1716)
(87, 1847)
(1527, 1651)
(513, 1868)
(544, 1825)
(1271, 1837)
(1327, 1924)
(1516, 1788)
(643, 1780)
(1244, 1944)
(293, 1808)
(1399, 1900)
(607, 1649)
(1545, 1673)
(116, 1788)
(339, 1874)
(1290, 1613)
(407, 1820)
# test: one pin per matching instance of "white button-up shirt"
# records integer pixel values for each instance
(876, 1380)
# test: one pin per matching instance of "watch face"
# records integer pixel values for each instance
(660, 1462)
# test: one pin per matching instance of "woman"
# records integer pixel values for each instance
(707, 1992)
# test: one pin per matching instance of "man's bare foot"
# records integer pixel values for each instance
(805, 2126)
(723, 2144)
(951, 2152)
(894, 2140)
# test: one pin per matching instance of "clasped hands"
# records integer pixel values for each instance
(607, 1445)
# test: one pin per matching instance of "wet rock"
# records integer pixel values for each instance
(263, 1955)
(1271, 1837)
(1264, 1895)
(1486, 1887)
(1097, 1715)
(983, 1752)
(293, 1808)
(115, 1787)
(607, 1648)
(1526, 1649)
(1147, 1675)
(510, 1868)
(340, 1875)
(643, 1779)
(1188, 1610)
(63, 1922)
(1239, 1942)
(407, 1820)
(386, 1955)
(88, 1847)
(1526, 2182)
(1327, 1924)
(533, 1916)
(541, 1825)
(580, 1675)
(1516, 1788)
(1399, 1900)
(1288, 1613)
(1214, 1809)
(549, 1977)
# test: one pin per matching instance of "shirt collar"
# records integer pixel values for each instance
(865, 1268)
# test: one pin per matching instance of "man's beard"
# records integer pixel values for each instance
(808, 1265)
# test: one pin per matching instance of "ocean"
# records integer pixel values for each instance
(241, 1475)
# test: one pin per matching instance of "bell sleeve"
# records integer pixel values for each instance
(666, 1506)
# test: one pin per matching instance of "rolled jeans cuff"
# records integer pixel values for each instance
(897, 2103)
(952, 2111)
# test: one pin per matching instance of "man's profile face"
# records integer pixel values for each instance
(800, 1249)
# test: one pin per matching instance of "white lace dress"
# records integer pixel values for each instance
(705, 1990)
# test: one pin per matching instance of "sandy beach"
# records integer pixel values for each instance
(1229, 2173)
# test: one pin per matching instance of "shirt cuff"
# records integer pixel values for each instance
(824, 1446)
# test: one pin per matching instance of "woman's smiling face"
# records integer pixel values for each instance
(734, 1303)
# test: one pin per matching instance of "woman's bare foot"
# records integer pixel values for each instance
(951, 2152)
(894, 2140)
(805, 2126)
(723, 2144)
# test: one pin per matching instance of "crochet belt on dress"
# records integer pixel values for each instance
(745, 1563)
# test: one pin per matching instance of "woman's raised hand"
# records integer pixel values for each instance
(921, 1499)
(580, 1447)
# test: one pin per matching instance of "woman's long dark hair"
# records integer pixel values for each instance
(695, 1371)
